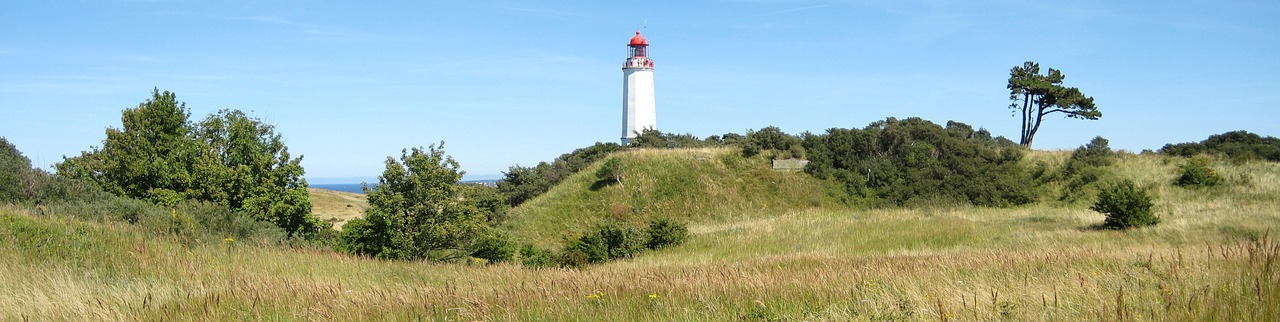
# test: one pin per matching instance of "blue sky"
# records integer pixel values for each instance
(512, 82)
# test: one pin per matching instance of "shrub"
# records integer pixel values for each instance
(604, 243)
(1197, 173)
(15, 169)
(611, 172)
(901, 162)
(495, 247)
(1235, 145)
(520, 184)
(1097, 153)
(664, 232)
(1125, 205)
(531, 256)
(588, 249)
(1084, 168)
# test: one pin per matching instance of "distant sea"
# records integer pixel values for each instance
(355, 187)
(344, 187)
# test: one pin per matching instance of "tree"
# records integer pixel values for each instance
(1043, 94)
(228, 158)
(520, 184)
(913, 160)
(243, 164)
(415, 211)
(150, 156)
(15, 173)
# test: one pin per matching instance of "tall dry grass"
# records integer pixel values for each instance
(1213, 258)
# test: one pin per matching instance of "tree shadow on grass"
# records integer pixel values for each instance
(601, 184)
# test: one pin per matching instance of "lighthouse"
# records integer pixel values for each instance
(639, 111)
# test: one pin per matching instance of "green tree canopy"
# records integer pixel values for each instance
(1043, 94)
(14, 172)
(913, 160)
(416, 212)
(228, 158)
(1238, 145)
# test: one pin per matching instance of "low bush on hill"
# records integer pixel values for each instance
(1125, 205)
(1195, 172)
(608, 242)
(898, 162)
(1234, 145)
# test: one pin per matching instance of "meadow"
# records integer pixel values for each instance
(796, 257)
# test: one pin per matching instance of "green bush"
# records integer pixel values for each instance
(531, 256)
(1097, 153)
(15, 172)
(664, 232)
(1125, 205)
(1086, 166)
(1235, 145)
(585, 250)
(520, 184)
(495, 247)
(604, 243)
(611, 172)
(1197, 173)
(914, 161)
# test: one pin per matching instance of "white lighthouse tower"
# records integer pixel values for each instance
(639, 111)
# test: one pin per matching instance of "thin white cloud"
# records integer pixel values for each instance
(778, 12)
(302, 27)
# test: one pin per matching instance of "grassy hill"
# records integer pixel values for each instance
(692, 185)
(337, 207)
(758, 251)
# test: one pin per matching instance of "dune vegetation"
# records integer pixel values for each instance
(764, 245)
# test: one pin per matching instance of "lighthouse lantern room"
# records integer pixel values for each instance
(638, 106)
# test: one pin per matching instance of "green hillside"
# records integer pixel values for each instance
(691, 185)
(764, 246)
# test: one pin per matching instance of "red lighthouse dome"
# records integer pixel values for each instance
(638, 40)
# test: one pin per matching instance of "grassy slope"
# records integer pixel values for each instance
(1211, 259)
(337, 207)
(694, 185)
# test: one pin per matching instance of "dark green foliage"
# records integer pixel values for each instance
(664, 232)
(1043, 94)
(772, 139)
(1097, 153)
(520, 184)
(245, 165)
(15, 173)
(491, 203)
(654, 139)
(193, 221)
(913, 160)
(1197, 173)
(604, 243)
(416, 211)
(531, 256)
(1125, 205)
(1235, 145)
(609, 242)
(228, 158)
(494, 247)
(1083, 169)
(611, 172)
(154, 150)
(585, 250)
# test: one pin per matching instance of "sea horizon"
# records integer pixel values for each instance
(359, 187)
